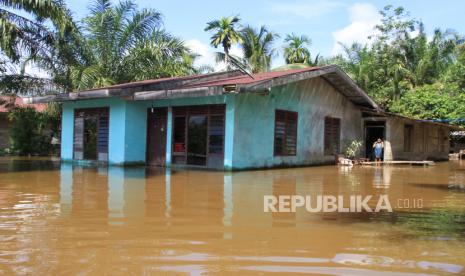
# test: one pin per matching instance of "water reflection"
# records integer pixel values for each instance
(78, 219)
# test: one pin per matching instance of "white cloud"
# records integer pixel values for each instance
(363, 18)
(207, 53)
(307, 9)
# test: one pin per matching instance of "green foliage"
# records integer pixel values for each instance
(124, 44)
(296, 50)
(26, 85)
(39, 32)
(407, 73)
(116, 43)
(257, 47)
(225, 32)
(352, 149)
(22, 35)
(29, 132)
(433, 102)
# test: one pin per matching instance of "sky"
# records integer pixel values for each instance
(326, 22)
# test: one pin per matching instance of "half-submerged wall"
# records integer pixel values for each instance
(128, 126)
(313, 100)
(426, 141)
(127, 129)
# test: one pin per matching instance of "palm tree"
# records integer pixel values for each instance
(296, 50)
(19, 33)
(25, 40)
(225, 33)
(125, 44)
(257, 48)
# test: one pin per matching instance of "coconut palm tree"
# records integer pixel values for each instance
(126, 44)
(296, 50)
(225, 33)
(257, 48)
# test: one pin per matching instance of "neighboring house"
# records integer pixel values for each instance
(231, 120)
(457, 141)
(6, 104)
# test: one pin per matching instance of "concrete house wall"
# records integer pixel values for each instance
(249, 124)
(119, 150)
(430, 141)
(128, 126)
(313, 99)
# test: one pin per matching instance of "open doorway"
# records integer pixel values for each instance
(373, 131)
(91, 132)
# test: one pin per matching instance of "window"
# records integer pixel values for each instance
(91, 134)
(216, 134)
(198, 134)
(285, 133)
(179, 136)
(408, 138)
(332, 136)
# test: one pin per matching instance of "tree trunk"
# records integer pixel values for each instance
(226, 56)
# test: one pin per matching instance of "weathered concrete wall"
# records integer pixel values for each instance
(4, 131)
(313, 100)
(429, 142)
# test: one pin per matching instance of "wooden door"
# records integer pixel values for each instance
(156, 136)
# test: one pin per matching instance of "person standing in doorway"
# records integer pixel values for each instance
(378, 147)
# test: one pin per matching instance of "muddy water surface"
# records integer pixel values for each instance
(63, 219)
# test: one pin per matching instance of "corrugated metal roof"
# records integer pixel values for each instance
(222, 78)
(217, 84)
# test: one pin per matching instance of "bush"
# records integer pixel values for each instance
(352, 149)
(433, 102)
(30, 132)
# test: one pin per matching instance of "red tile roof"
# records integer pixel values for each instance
(17, 101)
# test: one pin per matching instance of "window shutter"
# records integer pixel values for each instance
(332, 135)
(285, 135)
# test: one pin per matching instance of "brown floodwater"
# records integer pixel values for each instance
(64, 219)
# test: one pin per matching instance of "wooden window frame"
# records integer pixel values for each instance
(285, 149)
(186, 113)
(97, 110)
(326, 151)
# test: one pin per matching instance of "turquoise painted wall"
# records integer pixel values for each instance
(313, 100)
(67, 132)
(249, 124)
(128, 126)
(116, 143)
(135, 135)
(229, 132)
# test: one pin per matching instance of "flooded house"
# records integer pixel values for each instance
(233, 120)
